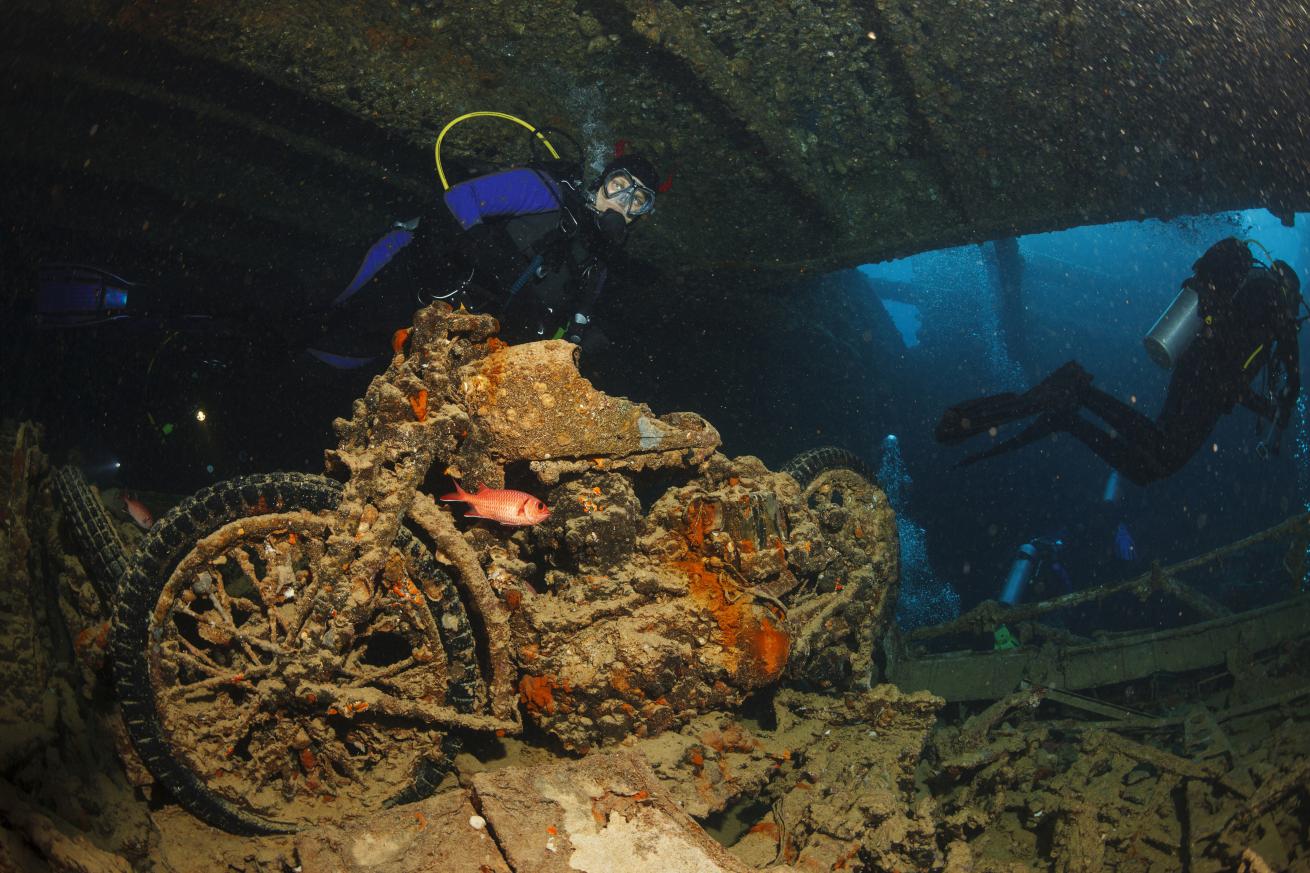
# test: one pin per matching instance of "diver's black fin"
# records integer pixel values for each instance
(1062, 390)
(1043, 427)
(973, 417)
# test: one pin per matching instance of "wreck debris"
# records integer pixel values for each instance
(849, 792)
(837, 634)
(590, 815)
(57, 849)
(1115, 659)
(874, 779)
(1013, 765)
(1228, 639)
(1103, 799)
(432, 834)
(987, 615)
(63, 802)
(529, 403)
(606, 812)
(25, 618)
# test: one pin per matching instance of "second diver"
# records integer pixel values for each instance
(1236, 318)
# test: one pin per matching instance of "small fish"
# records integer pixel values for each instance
(138, 511)
(1124, 547)
(514, 508)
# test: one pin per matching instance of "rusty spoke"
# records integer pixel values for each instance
(360, 679)
(227, 679)
(231, 731)
(331, 750)
(211, 670)
(217, 595)
(239, 636)
(204, 662)
(315, 550)
(242, 557)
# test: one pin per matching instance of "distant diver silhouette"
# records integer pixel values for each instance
(1234, 318)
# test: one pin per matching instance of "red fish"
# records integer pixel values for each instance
(514, 508)
(138, 511)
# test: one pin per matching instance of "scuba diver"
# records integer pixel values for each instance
(1037, 569)
(529, 245)
(1036, 566)
(200, 367)
(1233, 318)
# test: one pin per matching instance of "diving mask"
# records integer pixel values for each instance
(622, 189)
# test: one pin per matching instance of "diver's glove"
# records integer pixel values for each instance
(588, 337)
(576, 328)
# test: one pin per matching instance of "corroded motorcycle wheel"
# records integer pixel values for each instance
(843, 492)
(93, 532)
(231, 688)
(808, 465)
(833, 478)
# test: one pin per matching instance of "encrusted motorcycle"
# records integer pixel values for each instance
(289, 647)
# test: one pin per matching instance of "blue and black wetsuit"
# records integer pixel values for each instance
(519, 244)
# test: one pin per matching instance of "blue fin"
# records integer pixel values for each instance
(378, 256)
(71, 295)
(342, 362)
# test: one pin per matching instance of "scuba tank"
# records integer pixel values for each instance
(1021, 571)
(1174, 331)
(1114, 488)
(1028, 562)
(1224, 269)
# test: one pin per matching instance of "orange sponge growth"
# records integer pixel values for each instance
(755, 648)
(537, 693)
(701, 518)
(419, 402)
(769, 647)
(398, 340)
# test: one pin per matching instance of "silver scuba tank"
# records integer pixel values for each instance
(1174, 331)
(1020, 572)
(1114, 488)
